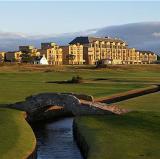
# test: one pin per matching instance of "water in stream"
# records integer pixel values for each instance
(55, 140)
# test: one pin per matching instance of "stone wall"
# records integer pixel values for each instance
(130, 94)
(81, 141)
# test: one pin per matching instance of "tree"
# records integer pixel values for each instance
(27, 58)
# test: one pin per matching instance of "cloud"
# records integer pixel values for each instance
(6, 35)
(156, 34)
(139, 35)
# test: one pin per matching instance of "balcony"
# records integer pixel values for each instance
(90, 49)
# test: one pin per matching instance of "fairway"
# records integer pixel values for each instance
(16, 84)
(16, 87)
(131, 136)
(150, 102)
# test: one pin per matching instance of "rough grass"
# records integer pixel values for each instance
(48, 68)
(17, 140)
(132, 136)
(149, 102)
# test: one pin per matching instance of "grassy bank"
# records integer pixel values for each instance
(17, 140)
(132, 136)
(150, 102)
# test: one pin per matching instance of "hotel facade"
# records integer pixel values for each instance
(116, 51)
(82, 50)
(2, 57)
(52, 52)
(73, 54)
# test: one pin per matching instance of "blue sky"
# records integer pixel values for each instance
(41, 17)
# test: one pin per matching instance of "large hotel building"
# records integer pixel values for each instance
(113, 50)
(82, 50)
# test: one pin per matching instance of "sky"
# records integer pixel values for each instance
(53, 17)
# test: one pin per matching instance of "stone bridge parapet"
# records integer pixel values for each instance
(36, 105)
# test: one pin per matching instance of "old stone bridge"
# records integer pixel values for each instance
(77, 104)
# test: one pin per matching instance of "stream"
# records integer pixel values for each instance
(55, 140)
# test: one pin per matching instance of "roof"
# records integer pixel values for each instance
(86, 40)
(27, 46)
(12, 52)
(62, 46)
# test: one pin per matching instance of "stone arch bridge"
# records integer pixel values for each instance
(74, 103)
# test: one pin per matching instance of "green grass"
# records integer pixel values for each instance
(131, 136)
(106, 134)
(16, 137)
(150, 102)
(15, 86)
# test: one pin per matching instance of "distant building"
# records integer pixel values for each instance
(147, 57)
(52, 52)
(95, 49)
(47, 45)
(81, 50)
(26, 48)
(41, 60)
(14, 56)
(2, 57)
(29, 49)
(73, 54)
(104, 62)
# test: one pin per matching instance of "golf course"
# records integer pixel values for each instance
(134, 135)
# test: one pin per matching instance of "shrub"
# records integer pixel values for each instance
(76, 79)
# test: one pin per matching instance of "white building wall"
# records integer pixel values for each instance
(43, 60)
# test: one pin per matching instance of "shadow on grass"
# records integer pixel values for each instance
(125, 80)
(4, 105)
(58, 82)
(63, 82)
(149, 121)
